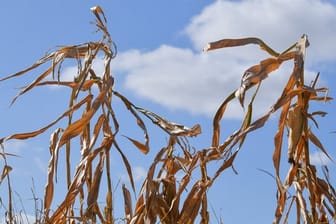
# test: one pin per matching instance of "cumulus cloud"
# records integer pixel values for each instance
(278, 22)
(181, 79)
(197, 82)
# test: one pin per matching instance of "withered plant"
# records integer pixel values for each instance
(175, 188)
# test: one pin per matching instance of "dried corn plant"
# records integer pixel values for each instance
(314, 196)
(177, 182)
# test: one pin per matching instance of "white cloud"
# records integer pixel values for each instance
(278, 22)
(319, 158)
(197, 82)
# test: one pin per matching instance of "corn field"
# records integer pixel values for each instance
(178, 179)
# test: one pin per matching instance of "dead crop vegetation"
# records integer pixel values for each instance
(178, 179)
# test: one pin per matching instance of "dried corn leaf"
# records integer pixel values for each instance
(240, 42)
(35, 65)
(33, 84)
(94, 188)
(140, 122)
(59, 215)
(295, 125)
(142, 147)
(226, 164)
(170, 127)
(127, 165)
(97, 10)
(22, 136)
(318, 143)
(5, 172)
(139, 214)
(257, 73)
(127, 203)
(248, 117)
(86, 85)
(217, 118)
(192, 204)
(302, 204)
(78, 126)
(52, 165)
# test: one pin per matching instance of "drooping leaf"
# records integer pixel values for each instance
(127, 165)
(94, 189)
(5, 171)
(127, 203)
(257, 73)
(26, 135)
(240, 42)
(52, 167)
(217, 118)
(318, 143)
(278, 138)
(295, 125)
(130, 106)
(33, 84)
(192, 204)
(171, 127)
(142, 147)
(78, 126)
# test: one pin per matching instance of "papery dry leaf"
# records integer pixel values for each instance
(318, 143)
(5, 171)
(191, 204)
(97, 10)
(127, 165)
(22, 136)
(140, 122)
(302, 204)
(33, 84)
(52, 166)
(217, 118)
(77, 127)
(295, 125)
(35, 65)
(86, 85)
(170, 127)
(59, 215)
(142, 147)
(226, 164)
(240, 42)
(94, 189)
(278, 138)
(257, 73)
(127, 203)
(139, 214)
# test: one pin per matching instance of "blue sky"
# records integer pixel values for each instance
(161, 66)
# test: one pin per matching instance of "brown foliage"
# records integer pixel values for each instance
(164, 197)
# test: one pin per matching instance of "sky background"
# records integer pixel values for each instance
(160, 66)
